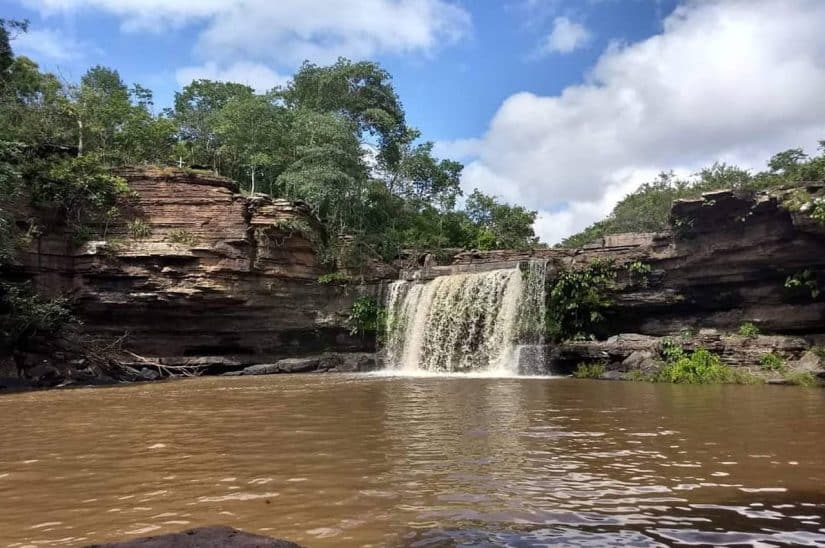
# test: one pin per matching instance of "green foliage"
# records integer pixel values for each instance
(181, 236)
(589, 370)
(699, 367)
(333, 278)
(639, 273)
(748, 329)
(803, 378)
(804, 282)
(772, 362)
(366, 316)
(82, 187)
(577, 300)
(647, 209)
(23, 314)
(670, 350)
(500, 226)
(139, 229)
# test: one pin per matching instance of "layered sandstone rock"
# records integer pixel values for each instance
(197, 273)
(725, 262)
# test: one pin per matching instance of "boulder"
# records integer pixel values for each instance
(203, 537)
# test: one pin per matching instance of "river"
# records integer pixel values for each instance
(360, 460)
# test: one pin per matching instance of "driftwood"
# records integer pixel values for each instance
(109, 357)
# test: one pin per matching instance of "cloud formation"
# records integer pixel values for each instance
(48, 44)
(285, 32)
(566, 37)
(255, 75)
(729, 80)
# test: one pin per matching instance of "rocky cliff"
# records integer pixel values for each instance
(197, 273)
(730, 258)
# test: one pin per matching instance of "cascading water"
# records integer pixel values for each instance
(466, 322)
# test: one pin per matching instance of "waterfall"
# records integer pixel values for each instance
(477, 322)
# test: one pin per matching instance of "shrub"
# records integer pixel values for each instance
(803, 378)
(670, 350)
(639, 273)
(577, 300)
(333, 277)
(772, 362)
(589, 370)
(803, 282)
(366, 316)
(183, 237)
(24, 314)
(748, 329)
(139, 229)
(700, 367)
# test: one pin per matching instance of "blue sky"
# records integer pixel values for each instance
(562, 105)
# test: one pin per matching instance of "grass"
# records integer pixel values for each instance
(699, 367)
(589, 370)
(181, 236)
(772, 362)
(748, 329)
(332, 278)
(139, 229)
(803, 378)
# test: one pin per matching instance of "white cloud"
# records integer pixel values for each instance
(256, 75)
(47, 44)
(729, 80)
(459, 149)
(566, 37)
(288, 31)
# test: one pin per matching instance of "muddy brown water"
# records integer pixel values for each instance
(384, 461)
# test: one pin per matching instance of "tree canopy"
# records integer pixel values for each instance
(335, 137)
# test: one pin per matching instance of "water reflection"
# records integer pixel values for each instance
(361, 460)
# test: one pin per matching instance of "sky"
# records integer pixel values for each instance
(563, 106)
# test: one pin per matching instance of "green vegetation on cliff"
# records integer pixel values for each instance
(648, 208)
(335, 137)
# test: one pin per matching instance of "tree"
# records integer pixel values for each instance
(253, 133)
(501, 226)
(8, 29)
(362, 92)
(196, 109)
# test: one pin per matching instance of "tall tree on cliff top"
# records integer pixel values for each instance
(197, 107)
(253, 133)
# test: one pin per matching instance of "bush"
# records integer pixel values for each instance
(670, 350)
(589, 370)
(183, 237)
(805, 378)
(700, 367)
(639, 273)
(803, 282)
(139, 229)
(772, 362)
(748, 329)
(366, 316)
(333, 277)
(577, 300)
(24, 314)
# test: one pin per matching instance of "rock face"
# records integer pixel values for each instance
(198, 273)
(726, 261)
(729, 259)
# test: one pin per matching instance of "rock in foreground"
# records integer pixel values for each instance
(204, 537)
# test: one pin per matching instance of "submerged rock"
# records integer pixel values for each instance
(203, 537)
